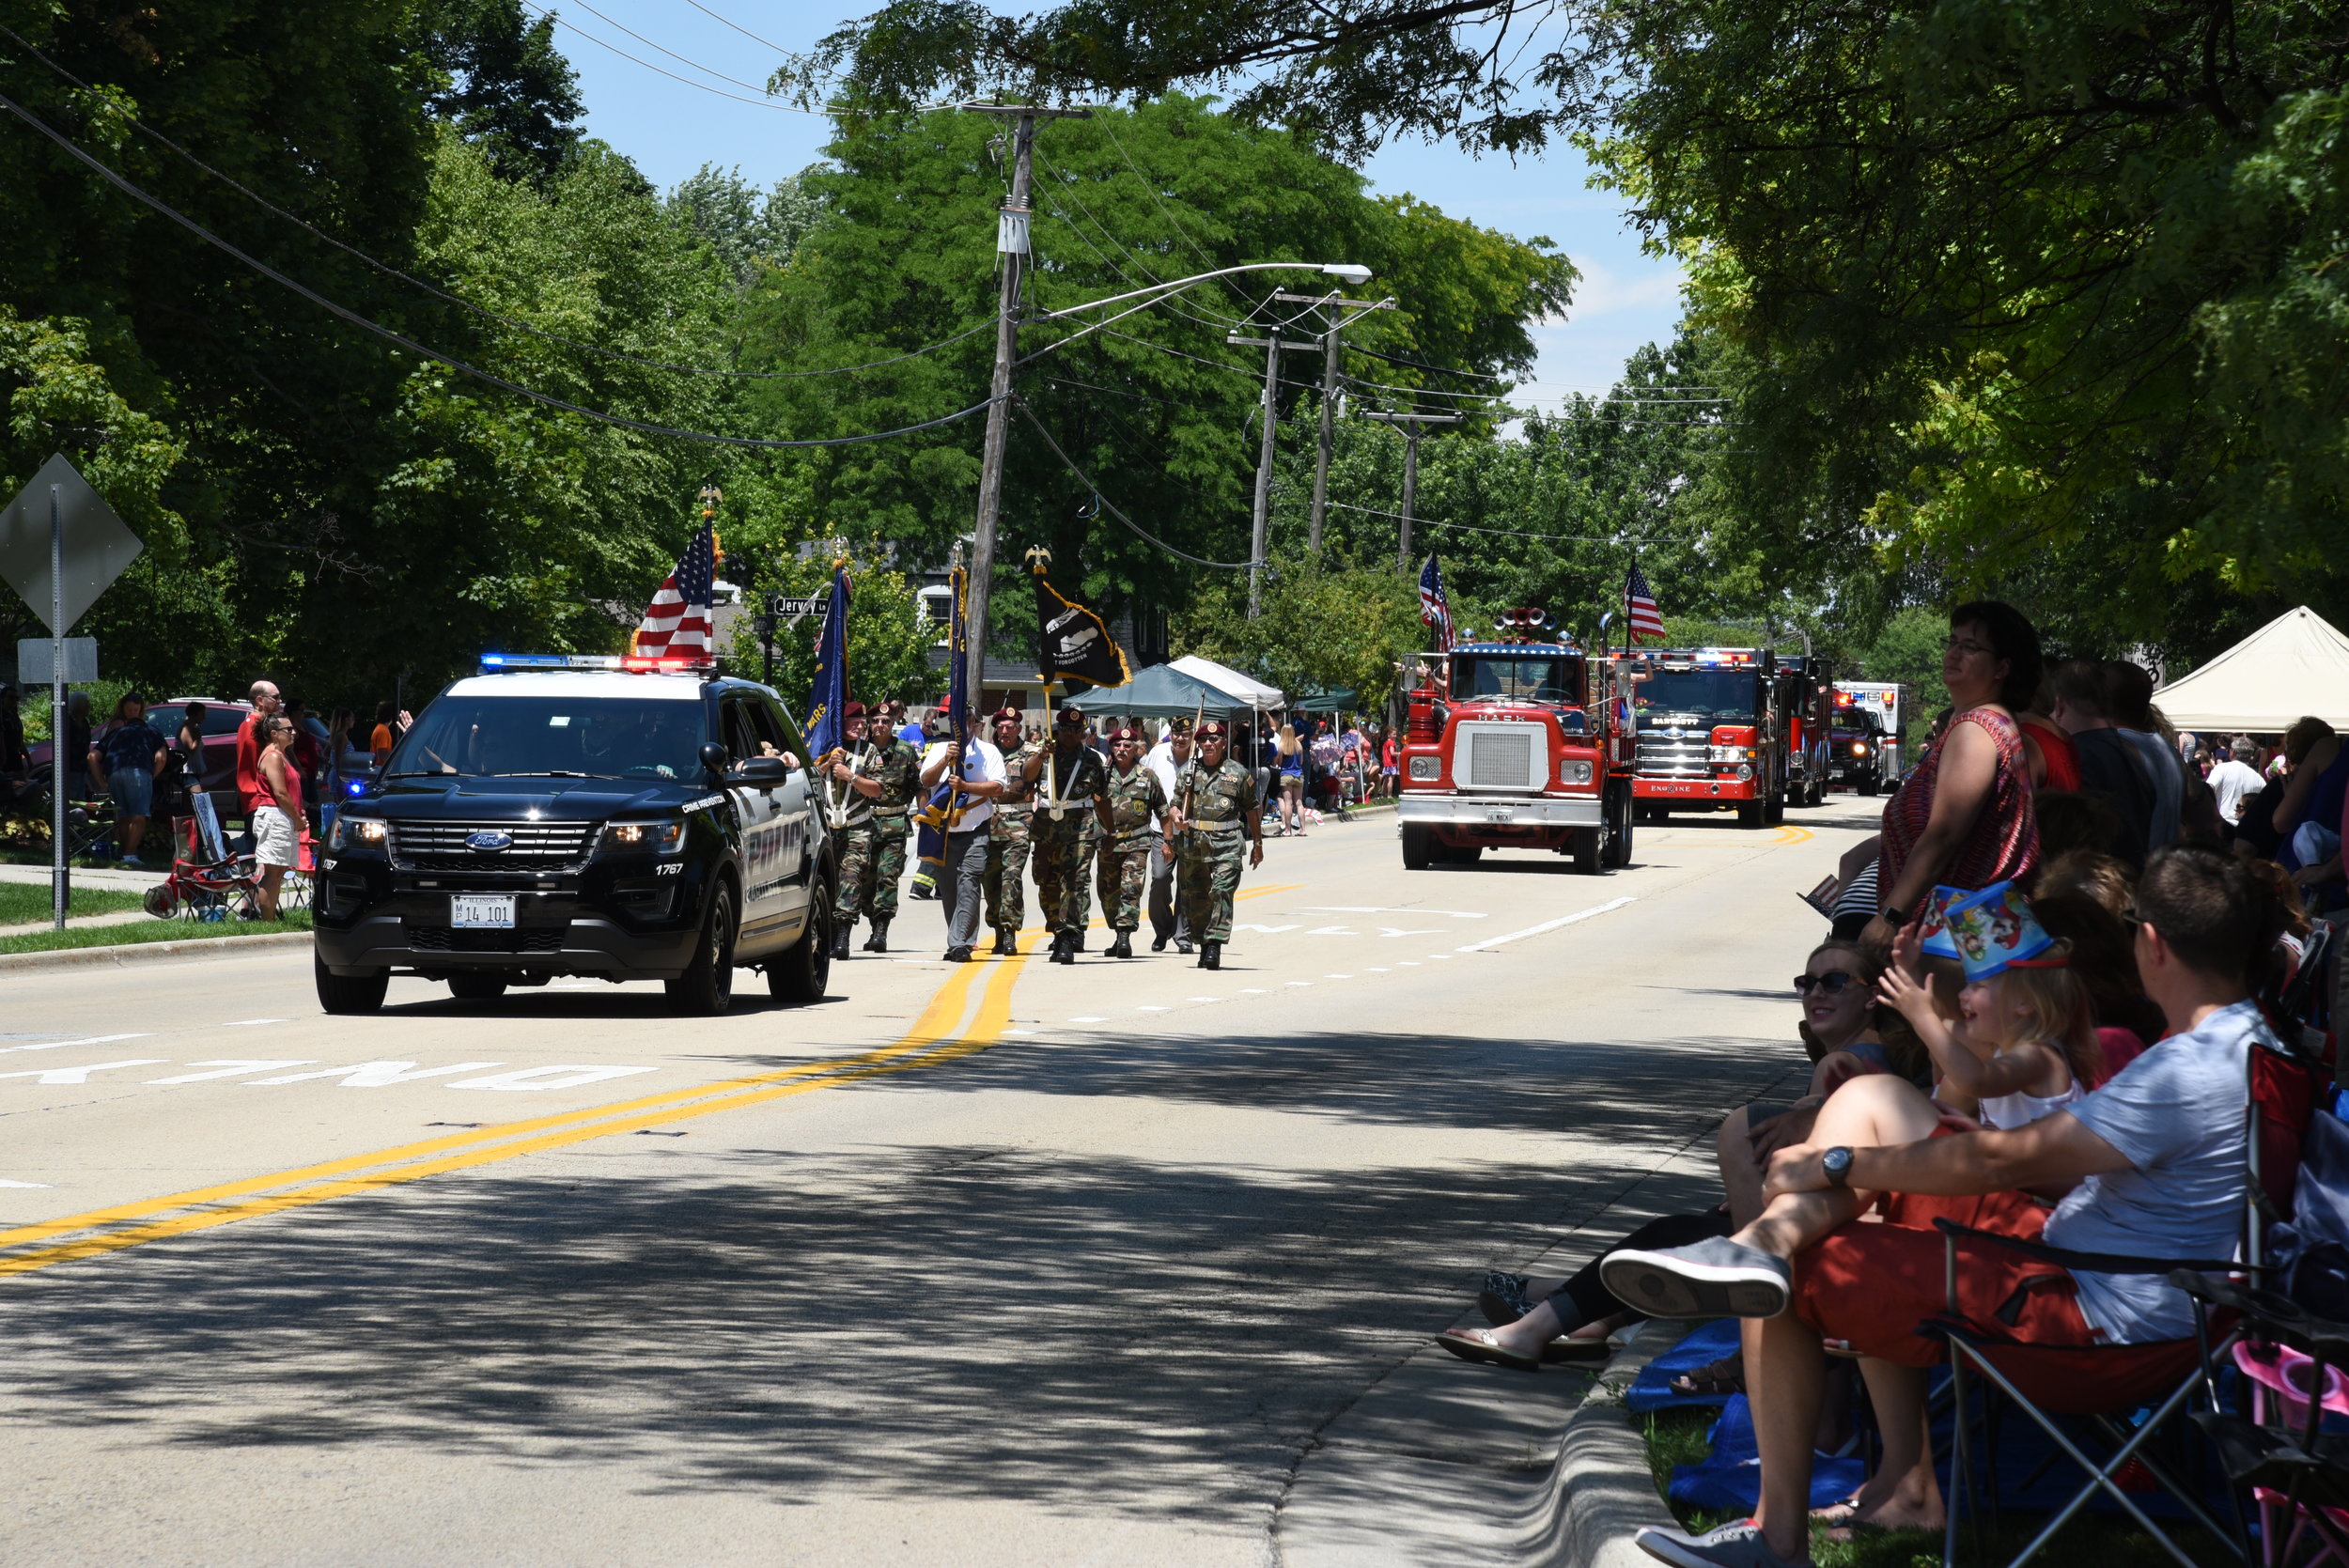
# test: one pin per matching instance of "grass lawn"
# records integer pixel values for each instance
(153, 931)
(2106, 1541)
(24, 901)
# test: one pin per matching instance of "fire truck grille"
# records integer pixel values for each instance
(1502, 757)
(1674, 759)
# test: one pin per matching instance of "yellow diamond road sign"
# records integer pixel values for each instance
(99, 546)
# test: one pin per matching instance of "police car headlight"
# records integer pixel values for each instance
(1426, 770)
(660, 838)
(353, 832)
(1573, 773)
(1860, 747)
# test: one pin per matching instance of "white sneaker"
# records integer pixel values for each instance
(1714, 1277)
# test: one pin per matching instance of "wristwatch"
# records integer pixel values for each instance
(1836, 1162)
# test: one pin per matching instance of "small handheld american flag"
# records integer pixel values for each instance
(678, 623)
(1433, 608)
(1640, 610)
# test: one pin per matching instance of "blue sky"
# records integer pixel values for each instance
(670, 130)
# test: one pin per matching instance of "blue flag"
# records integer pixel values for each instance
(828, 698)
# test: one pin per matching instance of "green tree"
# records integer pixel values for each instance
(748, 228)
(1154, 408)
(505, 87)
(889, 635)
(1323, 626)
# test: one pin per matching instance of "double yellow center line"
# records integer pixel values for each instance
(937, 1036)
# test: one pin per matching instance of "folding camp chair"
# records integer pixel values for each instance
(2106, 1385)
(2296, 1473)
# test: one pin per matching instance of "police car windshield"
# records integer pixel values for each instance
(1711, 693)
(596, 738)
(1531, 678)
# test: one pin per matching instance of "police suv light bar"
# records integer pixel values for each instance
(493, 662)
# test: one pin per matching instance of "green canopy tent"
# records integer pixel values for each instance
(1160, 692)
(1326, 699)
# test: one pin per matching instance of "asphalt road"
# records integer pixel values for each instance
(1001, 1263)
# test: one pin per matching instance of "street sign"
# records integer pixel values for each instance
(98, 546)
(797, 607)
(33, 663)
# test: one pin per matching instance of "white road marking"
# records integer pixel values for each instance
(1439, 955)
(1407, 963)
(1384, 910)
(230, 1068)
(1205, 998)
(1145, 1007)
(1373, 969)
(1332, 931)
(1337, 977)
(3, 1183)
(1020, 1032)
(579, 1076)
(1422, 931)
(1252, 990)
(380, 1074)
(247, 1023)
(1088, 1020)
(81, 1075)
(1548, 924)
(1300, 982)
(1267, 930)
(60, 1044)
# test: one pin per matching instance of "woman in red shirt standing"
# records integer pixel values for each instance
(1963, 816)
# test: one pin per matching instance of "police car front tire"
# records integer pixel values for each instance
(799, 974)
(705, 988)
(350, 993)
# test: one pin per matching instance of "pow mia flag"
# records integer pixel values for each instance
(1072, 641)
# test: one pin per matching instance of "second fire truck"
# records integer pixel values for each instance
(1739, 729)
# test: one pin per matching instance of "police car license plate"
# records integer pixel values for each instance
(475, 911)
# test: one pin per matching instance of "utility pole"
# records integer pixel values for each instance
(1412, 430)
(1333, 322)
(1271, 347)
(1011, 249)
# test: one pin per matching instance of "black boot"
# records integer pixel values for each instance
(878, 940)
(1122, 947)
(1211, 955)
(841, 930)
(1158, 944)
(1006, 944)
(1062, 954)
(1076, 941)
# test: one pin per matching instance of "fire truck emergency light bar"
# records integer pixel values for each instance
(644, 663)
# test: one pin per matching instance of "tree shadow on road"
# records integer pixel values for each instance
(924, 1319)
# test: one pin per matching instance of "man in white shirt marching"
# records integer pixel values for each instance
(1169, 920)
(980, 767)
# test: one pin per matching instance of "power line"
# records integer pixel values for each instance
(610, 22)
(389, 271)
(1513, 532)
(700, 86)
(1111, 506)
(434, 354)
(737, 26)
(1150, 186)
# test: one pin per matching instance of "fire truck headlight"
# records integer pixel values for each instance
(1745, 771)
(1573, 773)
(1426, 770)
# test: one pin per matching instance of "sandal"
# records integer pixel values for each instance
(1503, 1298)
(1476, 1345)
(1570, 1350)
(1713, 1380)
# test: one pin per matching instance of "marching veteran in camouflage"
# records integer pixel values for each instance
(878, 781)
(1215, 808)
(1008, 846)
(1071, 783)
(1134, 802)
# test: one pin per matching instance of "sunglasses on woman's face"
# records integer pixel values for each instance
(1834, 981)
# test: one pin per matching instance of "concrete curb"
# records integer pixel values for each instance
(150, 953)
(1602, 1491)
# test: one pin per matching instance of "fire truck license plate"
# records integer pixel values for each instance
(1499, 814)
(481, 912)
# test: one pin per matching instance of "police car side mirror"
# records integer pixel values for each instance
(714, 758)
(765, 772)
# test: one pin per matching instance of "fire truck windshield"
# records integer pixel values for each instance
(1712, 694)
(1522, 678)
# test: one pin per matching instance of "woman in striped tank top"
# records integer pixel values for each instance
(1963, 817)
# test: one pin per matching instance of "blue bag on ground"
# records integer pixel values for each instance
(1729, 1479)
(1653, 1390)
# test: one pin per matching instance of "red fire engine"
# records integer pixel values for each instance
(1714, 726)
(1508, 747)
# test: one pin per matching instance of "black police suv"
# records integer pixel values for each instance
(607, 822)
(1856, 753)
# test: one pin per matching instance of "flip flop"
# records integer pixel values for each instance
(1476, 1345)
(1572, 1350)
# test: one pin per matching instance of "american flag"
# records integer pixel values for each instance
(1639, 607)
(1433, 609)
(677, 624)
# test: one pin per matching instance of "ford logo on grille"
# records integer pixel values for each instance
(489, 841)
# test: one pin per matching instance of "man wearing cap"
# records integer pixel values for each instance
(1132, 807)
(884, 773)
(1169, 916)
(1216, 803)
(1008, 844)
(1072, 780)
(849, 819)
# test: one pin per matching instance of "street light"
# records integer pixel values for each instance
(1348, 271)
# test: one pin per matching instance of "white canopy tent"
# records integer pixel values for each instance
(2296, 665)
(1255, 693)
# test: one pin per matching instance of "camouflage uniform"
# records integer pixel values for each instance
(1216, 804)
(874, 857)
(1063, 843)
(1007, 847)
(1135, 798)
(851, 835)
